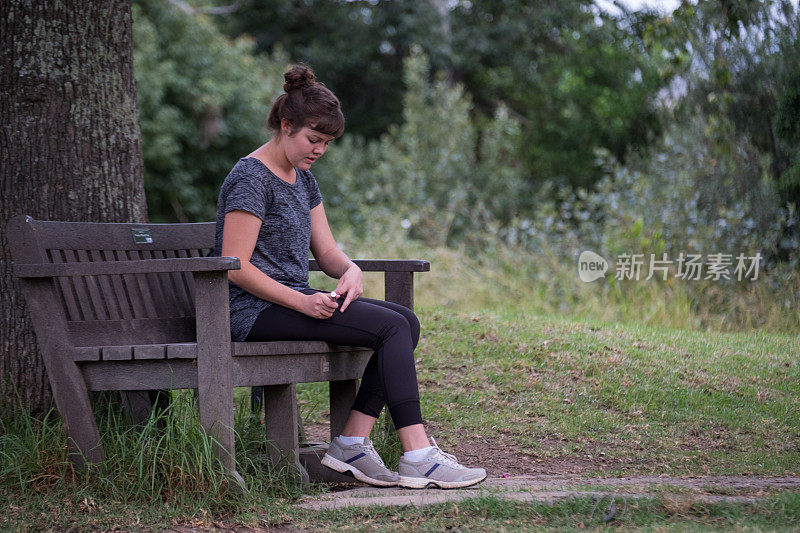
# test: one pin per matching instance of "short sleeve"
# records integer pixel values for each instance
(245, 192)
(314, 196)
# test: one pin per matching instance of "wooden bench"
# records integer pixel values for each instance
(133, 307)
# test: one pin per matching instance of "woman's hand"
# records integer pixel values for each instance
(319, 305)
(350, 284)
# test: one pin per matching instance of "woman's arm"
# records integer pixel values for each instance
(332, 260)
(239, 235)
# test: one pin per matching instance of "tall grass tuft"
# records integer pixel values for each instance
(168, 459)
(33, 453)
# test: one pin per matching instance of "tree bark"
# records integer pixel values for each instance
(70, 145)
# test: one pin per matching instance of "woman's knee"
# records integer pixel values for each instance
(394, 328)
(413, 321)
(392, 322)
(413, 324)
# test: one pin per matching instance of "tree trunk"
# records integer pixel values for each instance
(70, 145)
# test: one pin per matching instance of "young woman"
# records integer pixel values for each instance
(269, 214)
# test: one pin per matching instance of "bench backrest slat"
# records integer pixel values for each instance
(136, 331)
(129, 308)
(179, 282)
(127, 296)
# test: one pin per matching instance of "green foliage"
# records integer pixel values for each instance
(574, 84)
(203, 99)
(436, 175)
(746, 71)
(697, 197)
(26, 452)
(786, 65)
(578, 78)
(701, 187)
(447, 175)
(356, 47)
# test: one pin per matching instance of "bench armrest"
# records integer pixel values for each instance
(138, 266)
(384, 265)
(398, 276)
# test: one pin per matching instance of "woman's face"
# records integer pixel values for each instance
(305, 146)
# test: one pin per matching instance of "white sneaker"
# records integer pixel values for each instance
(361, 461)
(437, 469)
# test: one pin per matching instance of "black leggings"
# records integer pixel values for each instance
(389, 329)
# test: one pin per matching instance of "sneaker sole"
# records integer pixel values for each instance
(344, 468)
(424, 483)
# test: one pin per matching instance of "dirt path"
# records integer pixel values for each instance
(548, 488)
(677, 492)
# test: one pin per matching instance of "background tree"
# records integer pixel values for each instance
(356, 47)
(574, 76)
(203, 100)
(745, 78)
(70, 143)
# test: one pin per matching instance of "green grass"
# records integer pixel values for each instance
(153, 475)
(644, 399)
(648, 400)
(779, 512)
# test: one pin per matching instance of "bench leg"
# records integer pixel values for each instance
(72, 401)
(215, 404)
(214, 368)
(137, 406)
(342, 395)
(216, 417)
(256, 401)
(281, 423)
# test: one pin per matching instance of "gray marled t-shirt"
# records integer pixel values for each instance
(281, 251)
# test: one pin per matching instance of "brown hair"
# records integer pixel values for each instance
(306, 102)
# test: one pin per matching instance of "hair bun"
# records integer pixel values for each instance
(299, 76)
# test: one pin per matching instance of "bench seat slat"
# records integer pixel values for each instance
(117, 353)
(243, 349)
(188, 350)
(247, 371)
(150, 351)
(87, 353)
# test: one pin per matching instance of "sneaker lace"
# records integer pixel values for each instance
(370, 450)
(446, 458)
